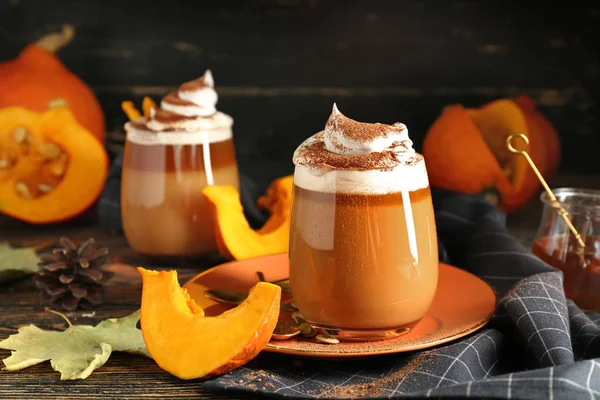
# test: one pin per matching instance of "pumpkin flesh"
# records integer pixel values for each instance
(51, 169)
(189, 345)
(235, 237)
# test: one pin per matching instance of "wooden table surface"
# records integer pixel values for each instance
(123, 375)
(126, 376)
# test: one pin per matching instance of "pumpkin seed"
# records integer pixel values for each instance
(327, 339)
(306, 329)
(297, 317)
(23, 190)
(19, 134)
(45, 188)
(57, 103)
(6, 161)
(50, 150)
(285, 330)
(284, 336)
(59, 166)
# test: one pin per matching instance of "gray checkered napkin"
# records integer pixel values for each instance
(538, 345)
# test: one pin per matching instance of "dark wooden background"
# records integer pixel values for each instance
(280, 64)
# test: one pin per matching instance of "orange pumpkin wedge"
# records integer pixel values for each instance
(235, 238)
(188, 344)
(51, 168)
(465, 150)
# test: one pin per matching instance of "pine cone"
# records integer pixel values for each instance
(71, 276)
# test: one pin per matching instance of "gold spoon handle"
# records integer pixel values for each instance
(561, 211)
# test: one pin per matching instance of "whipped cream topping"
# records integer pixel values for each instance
(357, 157)
(196, 98)
(186, 116)
(345, 136)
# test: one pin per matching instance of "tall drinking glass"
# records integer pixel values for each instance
(363, 244)
(169, 159)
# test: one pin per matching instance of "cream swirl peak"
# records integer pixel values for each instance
(186, 115)
(351, 145)
(346, 136)
(356, 157)
(196, 98)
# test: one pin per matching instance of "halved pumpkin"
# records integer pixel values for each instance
(51, 168)
(465, 150)
(37, 77)
(190, 345)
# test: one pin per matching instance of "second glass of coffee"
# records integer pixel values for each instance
(363, 244)
(170, 156)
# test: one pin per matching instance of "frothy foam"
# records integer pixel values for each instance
(187, 116)
(211, 132)
(400, 179)
(354, 157)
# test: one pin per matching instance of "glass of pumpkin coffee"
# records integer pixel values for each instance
(183, 146)
(363, 243)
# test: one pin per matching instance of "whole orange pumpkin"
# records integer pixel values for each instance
(37, 78)
(465, 151)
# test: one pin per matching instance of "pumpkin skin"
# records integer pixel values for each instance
(36, 78)
(188, 344)
(235, 238)
(465, 151)
(78, 186)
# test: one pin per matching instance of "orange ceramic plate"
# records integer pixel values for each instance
(462, 305)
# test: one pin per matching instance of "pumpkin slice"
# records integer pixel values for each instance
(51, 168)
(235, 238)
(190, 345)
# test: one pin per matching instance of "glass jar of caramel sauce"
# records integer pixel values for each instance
(557, 246)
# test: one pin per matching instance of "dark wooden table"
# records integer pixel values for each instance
(127, 376)
(123, 375)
